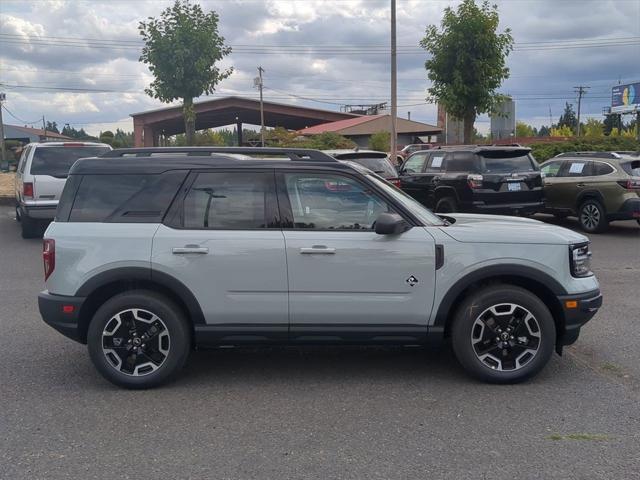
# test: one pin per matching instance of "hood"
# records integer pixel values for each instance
(472, 228)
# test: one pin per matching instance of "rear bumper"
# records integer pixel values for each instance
(47, 212)
(53, 314)
(508, 208)
(629, 210)
(587, 305)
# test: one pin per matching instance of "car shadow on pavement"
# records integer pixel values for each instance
(629, 228)
(322, 363)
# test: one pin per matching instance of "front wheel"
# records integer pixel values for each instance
(138, 339)
(503, 334)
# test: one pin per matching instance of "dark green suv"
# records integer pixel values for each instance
(597, 187)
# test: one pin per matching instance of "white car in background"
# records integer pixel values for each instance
(40, 178)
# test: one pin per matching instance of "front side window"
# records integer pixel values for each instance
(332, 202)
(551, 169)
(228, 201)
(415, 163)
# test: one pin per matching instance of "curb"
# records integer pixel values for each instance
(7, 201)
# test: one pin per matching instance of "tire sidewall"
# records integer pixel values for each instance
(167, 311)
(602, 224)
(478, 303)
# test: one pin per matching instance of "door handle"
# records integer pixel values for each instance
(581, 185)
(318, 250)
(189, 249)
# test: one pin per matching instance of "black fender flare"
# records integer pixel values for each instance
(124, 274)
(589, 194)
(521, 272)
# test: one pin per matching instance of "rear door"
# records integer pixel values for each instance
(50, 167)
(225, 245)
(509, 177)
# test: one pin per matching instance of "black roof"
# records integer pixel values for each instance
(159, 160)
(482, 148)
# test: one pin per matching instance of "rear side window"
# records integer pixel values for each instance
(56, 161)
(506, 162)
(228, 201)
(124, 198)
(461, 162)
(600, 168)
(632, 168)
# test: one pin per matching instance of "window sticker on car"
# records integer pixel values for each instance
(576, 168)
(436, 162)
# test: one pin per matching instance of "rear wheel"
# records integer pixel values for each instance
(138, 339)
(503, 334)
(447, 205)
(30, 228)
(592, 216)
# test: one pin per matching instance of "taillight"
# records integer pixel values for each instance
(474, 181)
(27, 189)
(394, 181)
(630, 184)
(48, 256)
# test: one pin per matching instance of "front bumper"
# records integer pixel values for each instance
(586, 306)
(507, 208)
(629, 210)
(64, 320)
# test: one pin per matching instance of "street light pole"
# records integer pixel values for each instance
(260, 70)
(3, 155)
(394, 89)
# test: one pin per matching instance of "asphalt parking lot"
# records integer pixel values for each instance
(330, 413)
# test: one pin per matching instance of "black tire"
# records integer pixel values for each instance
(465, 330)
(31, 228)
(447, 205)
(174, 338)
(592, 216)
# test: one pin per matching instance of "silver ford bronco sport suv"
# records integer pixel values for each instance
(155, 252)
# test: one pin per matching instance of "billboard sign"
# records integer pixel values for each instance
(625, 98)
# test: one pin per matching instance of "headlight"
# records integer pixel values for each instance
(580, 260)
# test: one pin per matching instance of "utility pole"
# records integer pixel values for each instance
(550, 120)
(44, 130)
(580, 90)
(3, 155)
(394, 86)
(260, 70)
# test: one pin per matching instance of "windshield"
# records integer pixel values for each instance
(380, 165)
(425, 215)
(56, 161)
(506, 162)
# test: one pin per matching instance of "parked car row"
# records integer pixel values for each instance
(597, 187)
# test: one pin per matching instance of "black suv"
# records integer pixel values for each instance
(489, 179)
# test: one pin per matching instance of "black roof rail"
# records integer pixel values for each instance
(590, 154)
(294, 154)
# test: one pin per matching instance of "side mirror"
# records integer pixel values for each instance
(391, 224)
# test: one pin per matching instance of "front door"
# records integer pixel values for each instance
(225, 246)
(414, 180)
(345, 281)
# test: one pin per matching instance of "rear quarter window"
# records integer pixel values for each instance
(56, 161)
(123, 198)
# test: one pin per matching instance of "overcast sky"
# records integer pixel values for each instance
(339, 55)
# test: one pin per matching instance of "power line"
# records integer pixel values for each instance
(18, 118)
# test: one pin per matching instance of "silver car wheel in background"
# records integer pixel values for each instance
(505, 337)
(135, 342)
(590, 216)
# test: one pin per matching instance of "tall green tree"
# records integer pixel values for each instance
(182, 49)
(468, 61)
(568, 117)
